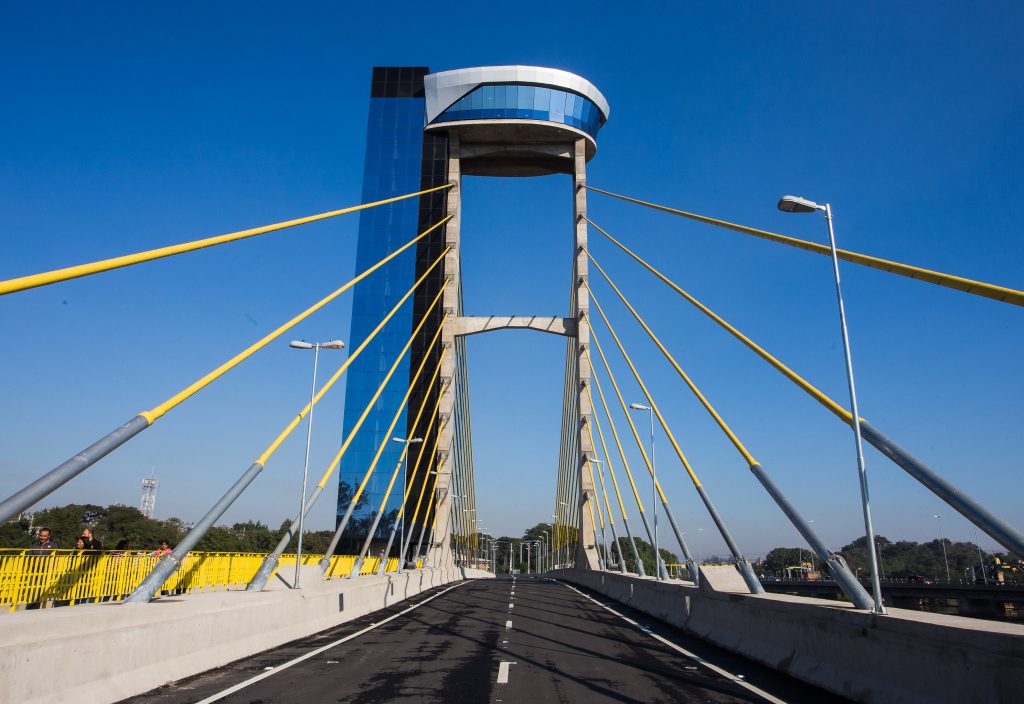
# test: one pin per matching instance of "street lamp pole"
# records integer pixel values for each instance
(942, 541)
(794, 204)
(303, 345)
(401, 511)
(654, 489)
(981, 557)
(604, 535)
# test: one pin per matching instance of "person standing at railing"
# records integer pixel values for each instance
(164, 549)
(91, 542)
(43, 544)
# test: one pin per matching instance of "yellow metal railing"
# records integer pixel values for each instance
(69, 577)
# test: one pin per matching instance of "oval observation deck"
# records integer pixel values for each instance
(515, 120)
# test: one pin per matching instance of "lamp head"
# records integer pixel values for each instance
(300, 345)
(333, 345)
(639, 407)
(796, 204)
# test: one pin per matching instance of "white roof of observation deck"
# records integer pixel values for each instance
(443, 89)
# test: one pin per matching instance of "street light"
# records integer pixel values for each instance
(795, 204)
(654, 490)
(405, 469)
(981, 558)
(943, 542)
(604, 536)
(559, 562)
(548, 546)
(316, 347)
(564, 547)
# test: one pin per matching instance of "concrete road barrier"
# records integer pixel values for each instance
(127, 650)
(903, 656)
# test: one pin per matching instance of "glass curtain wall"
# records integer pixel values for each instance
(393, 166)
(526, 103)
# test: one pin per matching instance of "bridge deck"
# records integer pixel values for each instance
(559, 646)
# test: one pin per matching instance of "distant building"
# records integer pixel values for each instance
(148, 501)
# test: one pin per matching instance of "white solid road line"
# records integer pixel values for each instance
(679, 649)
(313, 653)
(503, 671)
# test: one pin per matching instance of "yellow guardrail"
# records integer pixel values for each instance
(68, 577)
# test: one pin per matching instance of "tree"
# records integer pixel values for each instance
(646, 552)
(778, 560)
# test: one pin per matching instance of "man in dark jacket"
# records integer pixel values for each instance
(43, 544)
(91, 542)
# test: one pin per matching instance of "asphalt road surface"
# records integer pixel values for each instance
(524, 640)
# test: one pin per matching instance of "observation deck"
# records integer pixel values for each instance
(515, 120)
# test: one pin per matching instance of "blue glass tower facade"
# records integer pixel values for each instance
(400, 159)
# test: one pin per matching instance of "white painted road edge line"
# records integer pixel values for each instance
(679, 649)
(313, 653)
(503, 671)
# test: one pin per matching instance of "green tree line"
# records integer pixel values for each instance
(126, 528)
(905, 559)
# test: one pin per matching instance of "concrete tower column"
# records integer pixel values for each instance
(439, 552)
(586, 548)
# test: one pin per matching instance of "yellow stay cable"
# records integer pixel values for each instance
(436, 427)
(398, 412)
(156, 412)
(74, 272)
(646, 392)
(629, 419)
(419, 457)
(380, 389)
(615, 435)
(590, 466)
(405, 448)
(608, 461)
(958, 283)
(272, 448)
(679, 370)
(819, 396)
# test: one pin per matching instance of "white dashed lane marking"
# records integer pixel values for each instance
(503, 671)
(508, 624)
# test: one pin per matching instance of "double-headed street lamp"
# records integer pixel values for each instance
(654, 489)
(405, 468)
(316, 347)
(795, 204)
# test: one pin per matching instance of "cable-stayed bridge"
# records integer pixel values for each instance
(594, 624)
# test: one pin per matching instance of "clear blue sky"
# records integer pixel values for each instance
(127, 126)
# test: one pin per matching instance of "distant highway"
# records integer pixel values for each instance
(508, 640)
